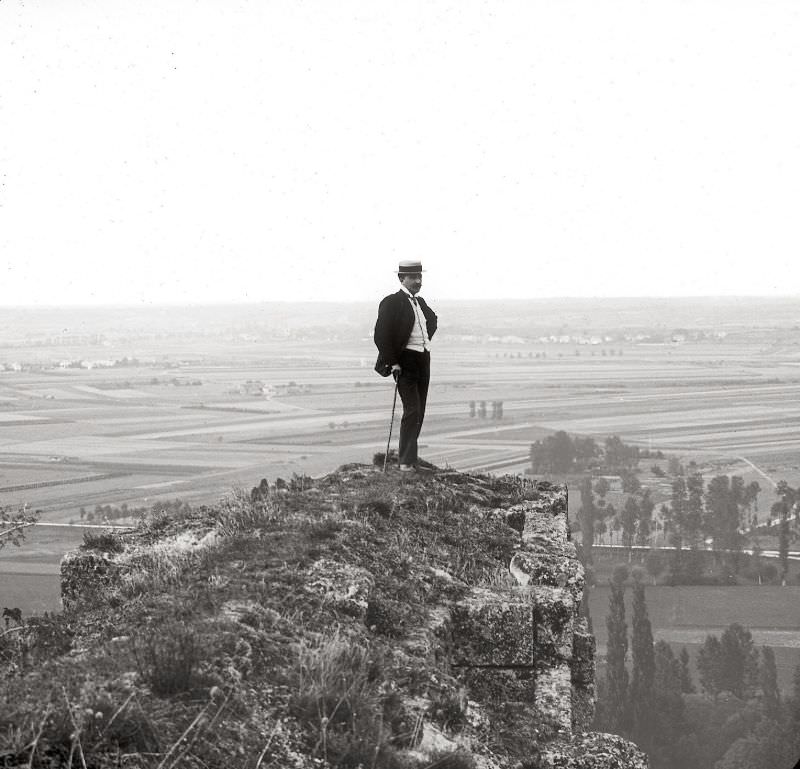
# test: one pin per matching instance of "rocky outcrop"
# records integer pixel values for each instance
(507, 654)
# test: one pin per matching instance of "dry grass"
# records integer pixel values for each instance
(339, 698)
(239, 514)
(158, 571)
(168, 658)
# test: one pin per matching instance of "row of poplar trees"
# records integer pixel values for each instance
(648, 705)
(645, 705)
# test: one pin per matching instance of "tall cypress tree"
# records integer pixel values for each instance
(630, 517)
(695, 487)
(709, 665)
(587, 515)
(783, 545)
(739, 658)
(617, 707)
(670, 724)
(677, 514)
(645, 523)
(768, 675)
(643, 669)
(687, 687)
(794, 704)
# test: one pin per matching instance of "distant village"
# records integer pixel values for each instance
(674, 337)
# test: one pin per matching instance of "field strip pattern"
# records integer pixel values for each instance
(62, 482)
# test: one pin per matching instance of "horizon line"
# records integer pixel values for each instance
(482, 299)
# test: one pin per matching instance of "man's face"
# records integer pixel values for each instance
(412, 281)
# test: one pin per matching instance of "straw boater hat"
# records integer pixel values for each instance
(409, 268)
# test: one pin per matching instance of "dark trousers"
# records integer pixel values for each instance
(412, 385)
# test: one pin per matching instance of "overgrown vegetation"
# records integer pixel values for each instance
(283, 628)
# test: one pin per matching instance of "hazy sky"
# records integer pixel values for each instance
(176, 150)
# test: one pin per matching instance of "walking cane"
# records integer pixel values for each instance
(391, 425)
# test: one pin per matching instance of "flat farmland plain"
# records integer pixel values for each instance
(72, 438)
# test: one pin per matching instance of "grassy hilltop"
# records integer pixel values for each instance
(285, 628)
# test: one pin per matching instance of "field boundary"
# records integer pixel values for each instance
(64, 482)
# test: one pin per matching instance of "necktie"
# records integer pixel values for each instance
(414, 300)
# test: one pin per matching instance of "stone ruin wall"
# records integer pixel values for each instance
(524, 654)
(527, 644)
(527, 655)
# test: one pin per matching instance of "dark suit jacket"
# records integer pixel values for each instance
(394, 325)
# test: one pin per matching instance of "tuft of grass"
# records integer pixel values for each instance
(339, 699)
(378, 500)
(168, 660)
(499, 576)
(239, 513)
(157, 571)
(378, 507)
(323, 529)
(106, 541)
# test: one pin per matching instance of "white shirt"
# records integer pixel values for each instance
(419, 339)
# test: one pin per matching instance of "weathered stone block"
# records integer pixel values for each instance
(492, 628)
(498, 685)
(554, 616)
(583, 706)
(583, 653)
(546, 568)
(553, 701)
(543, 523)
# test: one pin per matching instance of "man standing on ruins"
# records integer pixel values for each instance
(403, 335)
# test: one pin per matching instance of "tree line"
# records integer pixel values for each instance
(656, 704)
(563, 454)
(722, 512)
(108, 513)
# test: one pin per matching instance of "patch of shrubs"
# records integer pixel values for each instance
(384, 617)
(49, 635)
